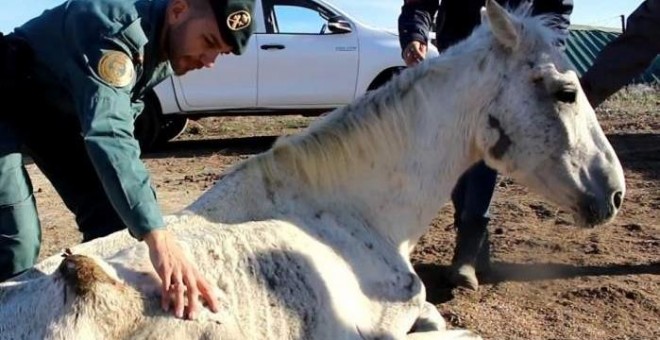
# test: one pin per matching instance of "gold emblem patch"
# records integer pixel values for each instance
(116, 68)
(238, 20)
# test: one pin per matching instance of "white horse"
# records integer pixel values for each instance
(312, 239)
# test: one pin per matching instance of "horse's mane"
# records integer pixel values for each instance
(377, 123)
(348, 136)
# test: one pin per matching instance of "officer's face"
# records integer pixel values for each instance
(193, 40)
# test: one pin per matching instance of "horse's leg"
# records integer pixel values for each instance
(431, 325)
(429, 320)
(444, 335)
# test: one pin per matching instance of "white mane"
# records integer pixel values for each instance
(379, 123)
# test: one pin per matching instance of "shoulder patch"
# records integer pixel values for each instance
(238, 20)
(116, 68)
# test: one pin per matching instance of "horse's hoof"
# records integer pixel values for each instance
(466, 277)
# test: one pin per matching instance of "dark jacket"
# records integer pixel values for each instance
(457, 18)
(627, 56)
(95, 59)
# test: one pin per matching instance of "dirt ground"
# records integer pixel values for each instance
(550, 280)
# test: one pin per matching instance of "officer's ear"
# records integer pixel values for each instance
(177, 11)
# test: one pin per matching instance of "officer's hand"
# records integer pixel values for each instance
(179, 276)
(414, 53)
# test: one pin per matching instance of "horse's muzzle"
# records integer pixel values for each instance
(597, 210)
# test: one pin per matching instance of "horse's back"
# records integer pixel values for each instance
(275, 278)
(304, 277)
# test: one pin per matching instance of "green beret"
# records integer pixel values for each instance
(235, 20)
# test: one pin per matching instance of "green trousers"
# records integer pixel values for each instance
(20, 232)
(53, 141)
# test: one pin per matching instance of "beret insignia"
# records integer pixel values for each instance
(116, 68)
(238, 20)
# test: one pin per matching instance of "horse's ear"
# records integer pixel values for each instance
(501, 24)
(484, 16)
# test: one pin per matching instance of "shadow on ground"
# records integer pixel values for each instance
(638, 151)
(439, 289)
(205, 147)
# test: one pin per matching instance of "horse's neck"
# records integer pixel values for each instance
(396, 194)
(239, 196)
(403, 193)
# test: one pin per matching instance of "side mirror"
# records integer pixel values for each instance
(339, 25)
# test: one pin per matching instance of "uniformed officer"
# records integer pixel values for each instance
(473, 192)
(625, 57)
(73, 80)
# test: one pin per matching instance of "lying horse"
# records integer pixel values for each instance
(312, 238)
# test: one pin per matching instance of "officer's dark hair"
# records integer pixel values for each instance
(200, 8)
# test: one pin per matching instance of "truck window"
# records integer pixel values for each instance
(295, 17)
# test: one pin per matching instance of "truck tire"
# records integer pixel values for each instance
(152, 128)
(384, 77)
(147, 125)
(171, 126)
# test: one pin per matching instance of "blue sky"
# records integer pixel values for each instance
(382, 13)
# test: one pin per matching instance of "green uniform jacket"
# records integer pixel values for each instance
(97, 58)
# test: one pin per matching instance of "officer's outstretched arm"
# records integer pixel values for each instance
(103, 101)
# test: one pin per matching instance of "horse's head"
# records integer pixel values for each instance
(540, 129)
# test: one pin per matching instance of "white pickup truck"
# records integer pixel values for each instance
(306, 56)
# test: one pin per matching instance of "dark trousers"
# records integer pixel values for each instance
(53, 141)
(471, 197)
(627, 56)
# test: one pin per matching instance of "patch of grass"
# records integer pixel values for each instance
(633, 109)
(633, 100)
(232, 127)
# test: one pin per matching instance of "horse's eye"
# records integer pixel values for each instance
(567, 95)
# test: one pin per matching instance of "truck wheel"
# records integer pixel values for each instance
(171, 126)
(148, 124)
(384, 77)
(147, 128)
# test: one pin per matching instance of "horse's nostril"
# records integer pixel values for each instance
(617, 199)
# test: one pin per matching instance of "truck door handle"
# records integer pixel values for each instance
(272, 47)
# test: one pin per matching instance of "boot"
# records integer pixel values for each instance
(472, 252)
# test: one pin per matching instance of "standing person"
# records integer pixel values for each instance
(625, 57)
(73, 80)
(473, 192)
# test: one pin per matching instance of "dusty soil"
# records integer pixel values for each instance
(550, 280)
